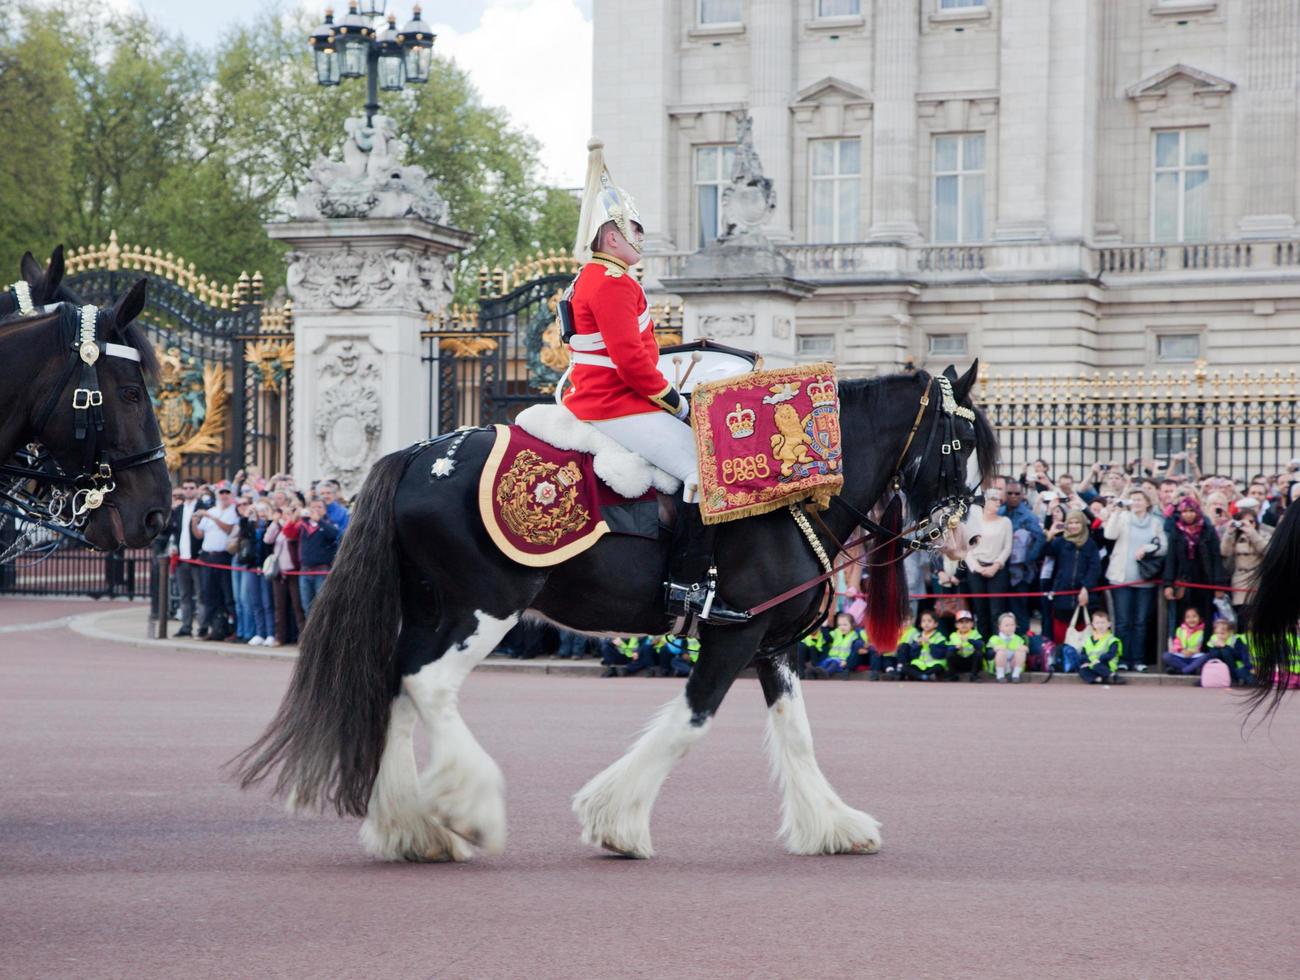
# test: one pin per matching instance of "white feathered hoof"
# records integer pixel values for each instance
(608, 821)
(836, 830)
(412, 837)
(469, 800)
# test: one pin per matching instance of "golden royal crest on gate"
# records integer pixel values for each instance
(539, 500)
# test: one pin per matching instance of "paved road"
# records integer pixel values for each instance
(1031, 831)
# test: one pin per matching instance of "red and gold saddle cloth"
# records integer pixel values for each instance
(766, 440)
(543, 505)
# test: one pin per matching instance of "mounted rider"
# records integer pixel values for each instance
(616, 384)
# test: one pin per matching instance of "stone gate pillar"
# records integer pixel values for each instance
(372, 256)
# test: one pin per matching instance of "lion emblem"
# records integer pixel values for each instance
(790, 442)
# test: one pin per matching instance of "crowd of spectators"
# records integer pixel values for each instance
(1069, 572)
(249, 554)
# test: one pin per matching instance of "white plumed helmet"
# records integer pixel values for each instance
(603, 201)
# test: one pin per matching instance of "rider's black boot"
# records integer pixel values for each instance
(692, 578)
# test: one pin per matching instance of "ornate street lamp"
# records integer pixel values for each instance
(321, 42)
(417, 41)
(387, 58)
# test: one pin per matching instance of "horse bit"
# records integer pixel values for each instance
(72, 498)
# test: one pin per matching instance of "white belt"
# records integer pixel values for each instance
(594, 341)
(595, 360)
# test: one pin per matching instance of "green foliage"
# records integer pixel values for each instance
(111, 124)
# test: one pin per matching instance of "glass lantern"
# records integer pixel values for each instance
(417, 46)
(352, 39)
(392, 67)
(326, 55)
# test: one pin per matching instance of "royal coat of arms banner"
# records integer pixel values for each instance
(766, 440)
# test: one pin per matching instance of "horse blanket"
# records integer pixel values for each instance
(766, 440)
(542, 505)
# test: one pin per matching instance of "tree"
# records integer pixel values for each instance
(194, 151)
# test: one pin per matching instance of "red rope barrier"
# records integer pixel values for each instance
(240, 568)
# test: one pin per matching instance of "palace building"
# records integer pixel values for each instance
(1057, 187)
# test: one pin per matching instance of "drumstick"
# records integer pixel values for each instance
(696, 357)
(677, 370)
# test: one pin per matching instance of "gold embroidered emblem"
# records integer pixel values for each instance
(539, 500)
(613, 273)
(790, 442)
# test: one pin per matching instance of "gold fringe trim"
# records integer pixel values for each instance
(819, 495)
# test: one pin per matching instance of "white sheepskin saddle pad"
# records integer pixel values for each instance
(622, 471)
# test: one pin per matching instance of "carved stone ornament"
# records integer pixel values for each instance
(348, 415)
(749, 200)
(729, 325)
(397, 277)
(371, 181)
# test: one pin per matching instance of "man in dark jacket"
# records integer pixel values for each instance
(318, 539)
(1028, 543)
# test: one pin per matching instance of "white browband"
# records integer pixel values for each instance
(121, 350)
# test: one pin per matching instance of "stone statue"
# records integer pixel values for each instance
(749, 200)
(372, 180)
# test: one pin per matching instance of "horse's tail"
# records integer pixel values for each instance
(1272, 616)
(885, 598)
(328, 736)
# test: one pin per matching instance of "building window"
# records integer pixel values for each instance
(959, 188)
(712, 173)
(839, 8)
(835, 171)
(947, 344)
(959, 4)
(816, 345)
(1178, 347)
(714, 12)
(1180, 185)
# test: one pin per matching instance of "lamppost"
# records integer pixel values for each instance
(388, 58)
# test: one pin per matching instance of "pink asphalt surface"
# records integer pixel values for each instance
(1029, 831)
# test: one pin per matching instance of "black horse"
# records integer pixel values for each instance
(74, 380)
(36, 287)
(419, 595)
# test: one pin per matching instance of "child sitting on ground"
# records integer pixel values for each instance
(845, 649)
(1234, 650)
(1009, 650)
(884, 666)
(1101, 653)
(1187, 654)
(675, 656)
(626, 655)
(923, 650)
(966, 648)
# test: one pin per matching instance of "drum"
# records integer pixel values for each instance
(711, 362)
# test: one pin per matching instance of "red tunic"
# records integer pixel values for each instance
(612, 325)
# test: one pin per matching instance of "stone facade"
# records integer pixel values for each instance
(1084, 256)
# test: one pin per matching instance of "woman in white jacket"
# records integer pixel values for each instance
(1138, 532)
(987, 561)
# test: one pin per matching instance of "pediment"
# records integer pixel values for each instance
(830, 91)
(1202, 82)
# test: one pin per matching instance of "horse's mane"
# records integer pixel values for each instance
(867, 395)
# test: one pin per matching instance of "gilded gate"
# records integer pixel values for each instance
(225, 395)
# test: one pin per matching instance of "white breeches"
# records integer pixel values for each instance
(666, 442)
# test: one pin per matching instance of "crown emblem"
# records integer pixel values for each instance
(741, 422)
(822, 393)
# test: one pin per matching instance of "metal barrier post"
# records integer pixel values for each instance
(161, 595)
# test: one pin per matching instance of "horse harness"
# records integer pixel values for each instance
(74, 497)
(954, 501)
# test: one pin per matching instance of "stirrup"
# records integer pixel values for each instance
(701, 599)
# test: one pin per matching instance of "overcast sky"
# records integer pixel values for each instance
(532, 57)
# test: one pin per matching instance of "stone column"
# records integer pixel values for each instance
(1267, 106)
(372, 256)
(772, 31)
(893, 156)
(1025, 71)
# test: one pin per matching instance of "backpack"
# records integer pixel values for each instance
(1215, 674)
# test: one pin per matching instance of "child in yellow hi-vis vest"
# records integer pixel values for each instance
(923, 650)
(845, 649)
(966, 648)
(675, 656)
(626, 655)
(1101, 652)
(1009, 650)
(1234, 650)
(1186, 655)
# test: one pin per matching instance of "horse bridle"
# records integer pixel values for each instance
(73, 497)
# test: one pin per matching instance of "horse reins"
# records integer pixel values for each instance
(95, 480)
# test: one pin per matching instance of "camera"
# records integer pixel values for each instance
(1236, 525)
(1122, 502)
(207, 502)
